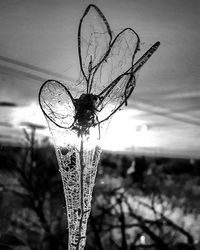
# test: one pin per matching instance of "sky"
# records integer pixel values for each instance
(38, 41)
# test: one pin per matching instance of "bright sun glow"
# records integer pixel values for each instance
(126, 132)
(31, 114)
(63, 138)
(23, 116)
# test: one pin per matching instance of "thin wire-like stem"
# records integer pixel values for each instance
(82, 166)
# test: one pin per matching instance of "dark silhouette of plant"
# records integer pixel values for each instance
(36, 186)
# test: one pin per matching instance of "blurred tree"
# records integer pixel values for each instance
(33, 180)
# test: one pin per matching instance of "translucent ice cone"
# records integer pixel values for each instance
(78, 158)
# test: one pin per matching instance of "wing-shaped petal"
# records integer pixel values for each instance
(119, 60)
(116, 96)
(57, 103)
(94, 39)
(119, 90)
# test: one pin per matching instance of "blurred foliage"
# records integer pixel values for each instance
(138, 203)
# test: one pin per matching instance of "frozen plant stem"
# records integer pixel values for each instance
(82, 195)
